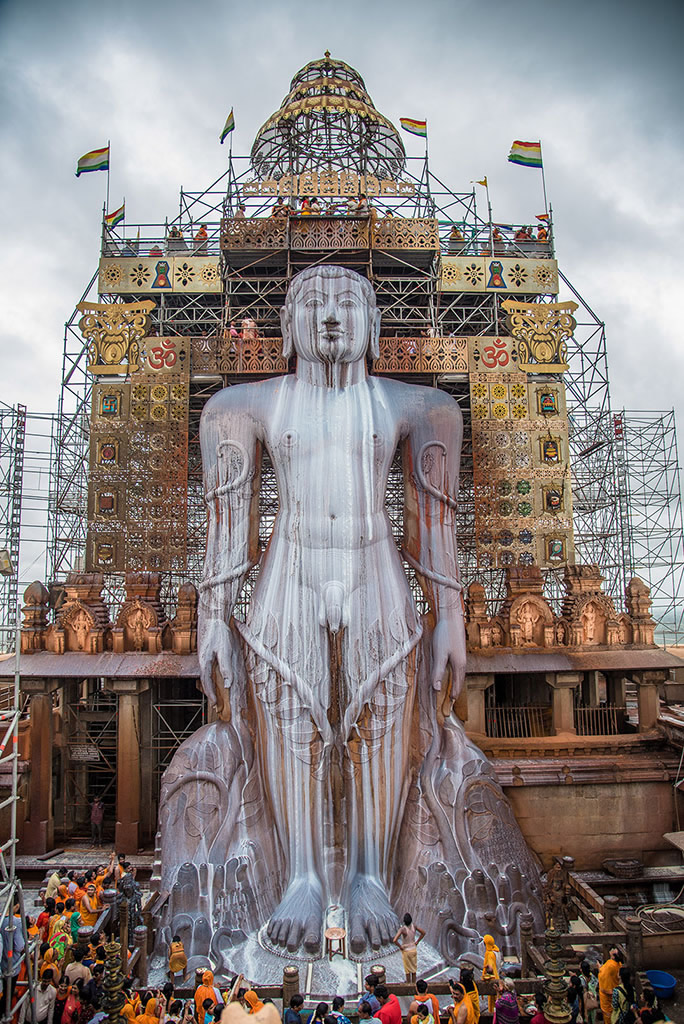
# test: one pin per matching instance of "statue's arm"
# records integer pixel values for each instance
(431, 457)
(229, 439)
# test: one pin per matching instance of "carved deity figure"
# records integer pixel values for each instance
(589, 624)
(337, 772)
(528, 617)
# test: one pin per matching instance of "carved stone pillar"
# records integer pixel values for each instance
(128, 782)
(39, 829)
(476, 687)
(562, 700)
(648, 684)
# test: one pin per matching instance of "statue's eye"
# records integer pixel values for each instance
(312, 303)
(348, 304)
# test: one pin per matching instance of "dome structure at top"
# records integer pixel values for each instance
(328, 121)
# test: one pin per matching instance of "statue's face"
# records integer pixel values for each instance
(330, 319)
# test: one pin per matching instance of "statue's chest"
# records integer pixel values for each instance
(346, 429)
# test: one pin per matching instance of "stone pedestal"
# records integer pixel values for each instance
(562, 700)
(39, 828)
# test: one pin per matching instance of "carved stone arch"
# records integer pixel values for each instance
(77, 623)
(531, 621)
(139, 627)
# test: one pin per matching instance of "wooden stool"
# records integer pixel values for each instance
(335, 942)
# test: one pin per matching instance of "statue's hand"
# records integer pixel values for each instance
(217, 643)
(449, 651)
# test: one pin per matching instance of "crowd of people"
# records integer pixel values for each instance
(71, 977)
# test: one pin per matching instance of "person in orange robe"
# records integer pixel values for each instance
(490, 967)
(608, 977)
(205, 991)
(253, 1001)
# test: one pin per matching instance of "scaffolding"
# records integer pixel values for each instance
(651, 511)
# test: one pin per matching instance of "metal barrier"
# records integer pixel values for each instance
(604, 720)
(506, 722)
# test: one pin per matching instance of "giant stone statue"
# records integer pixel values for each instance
(337, 772)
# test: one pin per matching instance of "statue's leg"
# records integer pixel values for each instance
(464, 851)
(377, 764)
(291, 754)
(216, 837)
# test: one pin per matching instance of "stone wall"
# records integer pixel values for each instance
(597, 822)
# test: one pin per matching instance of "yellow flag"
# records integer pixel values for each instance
(483, 182)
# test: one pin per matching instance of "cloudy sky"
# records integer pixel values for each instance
(600, 83)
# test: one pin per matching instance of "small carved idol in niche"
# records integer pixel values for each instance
(547, 402)
(496, 275)
(496, 635)
(553, 499)
(109, 404)
(528, 617)
(560, 634)
(550, 450)
(555, 549)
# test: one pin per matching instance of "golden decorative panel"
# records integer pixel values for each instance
(186, 274)
(316, 232)
(114, 332)
(329, 184)
(254, 233)
(499, 274)
(137, 496)
(422, 355)
(487, 354)
(406, 233)
(523, 501)
(542, 330)
(329, 232)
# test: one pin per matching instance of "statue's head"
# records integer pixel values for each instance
(330, 316)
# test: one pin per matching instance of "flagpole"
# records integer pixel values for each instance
(546, 205)
(109, 161)
(427, 172)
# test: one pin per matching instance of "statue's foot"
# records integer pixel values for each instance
(371, 918)
(298, 919)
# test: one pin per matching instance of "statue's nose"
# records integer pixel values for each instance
(331, 316)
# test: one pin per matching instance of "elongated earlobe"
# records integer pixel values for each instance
(286, 328)
(374, 346)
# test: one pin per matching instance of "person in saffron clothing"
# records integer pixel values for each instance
(490, 967)
(609, 975)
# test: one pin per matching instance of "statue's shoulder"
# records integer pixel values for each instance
(416, 395)
(253, 398)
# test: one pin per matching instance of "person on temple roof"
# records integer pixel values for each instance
(542, 233)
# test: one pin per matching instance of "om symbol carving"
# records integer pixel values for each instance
(496, 354)
(163, 355)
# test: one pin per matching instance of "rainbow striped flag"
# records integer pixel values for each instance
(228, 127)
(414, 127)
(112, 219)
(526, 153)
(96, 160)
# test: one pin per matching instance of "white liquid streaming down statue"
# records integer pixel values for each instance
(338, 772)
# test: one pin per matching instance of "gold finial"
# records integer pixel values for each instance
(327, 54)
